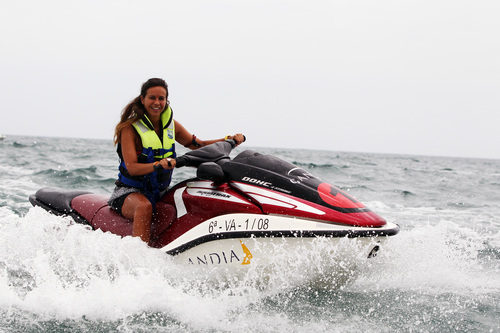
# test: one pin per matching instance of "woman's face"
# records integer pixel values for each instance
(155, 101)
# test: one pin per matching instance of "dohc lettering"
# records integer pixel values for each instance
(256, 181)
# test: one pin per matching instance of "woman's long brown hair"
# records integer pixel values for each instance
(135, 109)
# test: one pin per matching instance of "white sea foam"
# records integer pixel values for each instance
(58, 269)
(441, 258)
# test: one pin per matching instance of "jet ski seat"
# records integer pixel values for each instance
(57, 201)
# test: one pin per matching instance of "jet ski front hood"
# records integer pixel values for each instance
(282, 188)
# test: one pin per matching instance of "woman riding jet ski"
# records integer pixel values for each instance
(146, 136)
(236, 210)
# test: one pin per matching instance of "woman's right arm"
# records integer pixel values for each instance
(127, 140)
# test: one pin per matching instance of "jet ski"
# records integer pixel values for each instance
(235, 211)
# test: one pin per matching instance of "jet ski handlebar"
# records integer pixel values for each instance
(217, 152)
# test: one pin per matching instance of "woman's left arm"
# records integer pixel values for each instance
(190, 141)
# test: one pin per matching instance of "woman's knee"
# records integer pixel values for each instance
(137, 203)
(144, 208)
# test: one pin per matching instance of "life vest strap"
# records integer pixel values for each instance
(130, 182)
(151, 154)
(151, 178)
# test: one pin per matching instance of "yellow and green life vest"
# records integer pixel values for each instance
(154, 148)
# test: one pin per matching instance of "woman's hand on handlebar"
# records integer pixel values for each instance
(168, 163)
(238, 138)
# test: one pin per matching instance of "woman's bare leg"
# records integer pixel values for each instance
(139, 209)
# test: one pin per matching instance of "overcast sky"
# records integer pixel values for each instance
(410, 77)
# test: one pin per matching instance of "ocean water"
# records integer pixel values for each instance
(441, 273)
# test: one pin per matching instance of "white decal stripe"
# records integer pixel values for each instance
(279, 199)
(179, 203)
(201, 183)
(270, 201)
